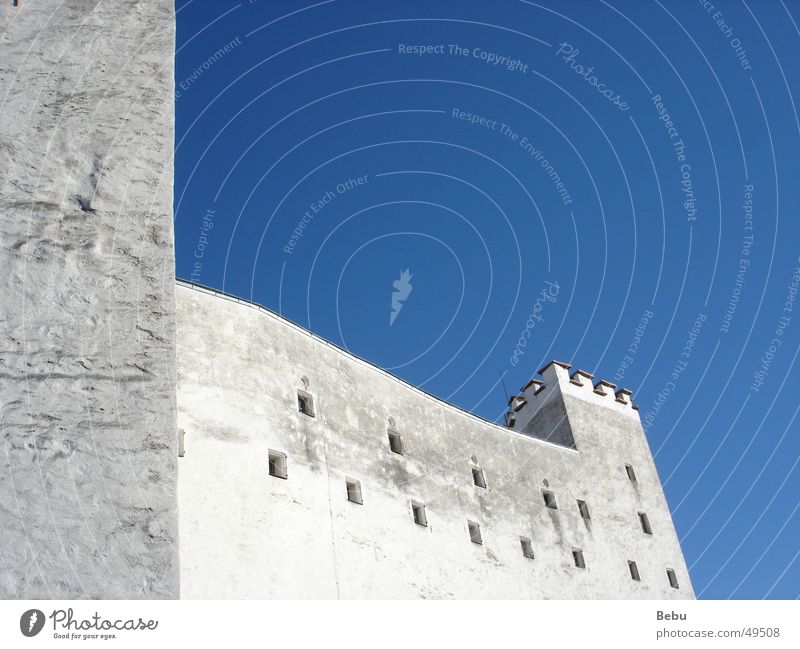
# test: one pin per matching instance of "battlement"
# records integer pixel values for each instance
(556, 378)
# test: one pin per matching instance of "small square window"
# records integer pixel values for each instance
(634, 569)
(277, 464)
(527, 548)
(395, 442)
(673, 580)
(354, 491)
(583, 508)
(645, 523)
(305, 404)
(418, 511)
(549, 499)
(478, 478)
(630, 472)
(577, 557)
(474, 532)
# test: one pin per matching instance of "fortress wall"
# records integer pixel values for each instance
(247, 534)
(87, 343)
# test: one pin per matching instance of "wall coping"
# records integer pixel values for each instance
(286, 321)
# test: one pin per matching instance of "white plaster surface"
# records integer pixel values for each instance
(87, 363)
(245, 534)
(87, 350)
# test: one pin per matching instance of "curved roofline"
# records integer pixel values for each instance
(260, 307)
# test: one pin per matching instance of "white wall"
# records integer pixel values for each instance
(88, 475)
(245, 534)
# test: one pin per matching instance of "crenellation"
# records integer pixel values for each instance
(555, 372)
(581, 377)
(578, 383)
(517, 402)
(604, 388)
(533, 386)
(623, 396)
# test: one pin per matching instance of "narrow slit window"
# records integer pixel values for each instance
(478, 478)
(583, 508)
(577, 557)
(305, 403)
(631, 474)
(549, 499)
(527, 547)
(673, 580)
(277, 464)
(645, 523)
(181, 442)
(634, 569)
(354, 491)
(395, 442)
(474, 532)
(418, 511)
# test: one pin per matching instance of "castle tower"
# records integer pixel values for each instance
(601, 422)
(88, 503)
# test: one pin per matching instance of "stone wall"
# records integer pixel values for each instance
(246, 534)
(87, 343)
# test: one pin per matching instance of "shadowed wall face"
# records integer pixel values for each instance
(87, 342)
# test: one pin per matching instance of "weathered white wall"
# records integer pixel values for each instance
(87, 407)
(245, 534)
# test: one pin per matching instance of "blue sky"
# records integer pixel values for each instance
(635, 161)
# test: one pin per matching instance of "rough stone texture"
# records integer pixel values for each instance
(88, 460)
(245, 534)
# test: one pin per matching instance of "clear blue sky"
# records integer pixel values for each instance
(636, 160)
